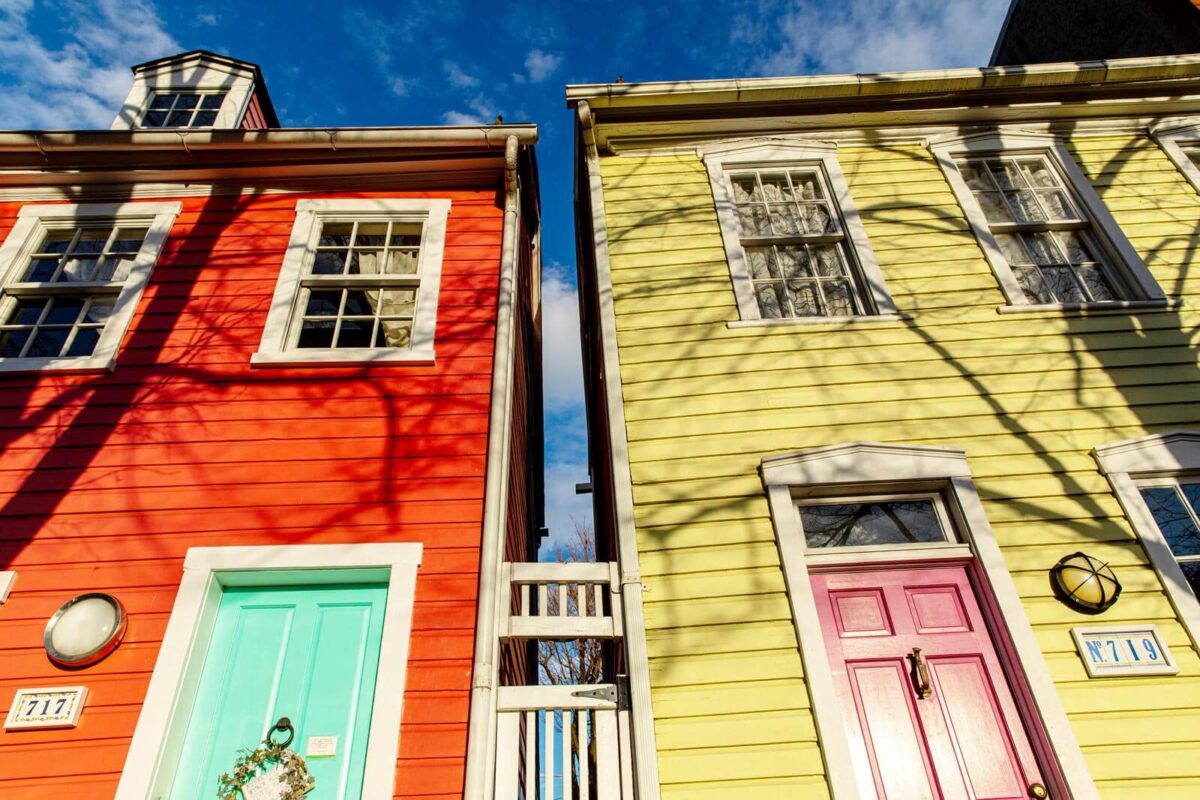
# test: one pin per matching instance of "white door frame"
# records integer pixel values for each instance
(158, 737)
(874, 464)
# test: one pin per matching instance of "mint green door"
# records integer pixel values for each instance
(309, 653)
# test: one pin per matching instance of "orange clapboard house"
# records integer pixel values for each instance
(275, 396)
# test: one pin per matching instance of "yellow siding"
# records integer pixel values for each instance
(1028, 396)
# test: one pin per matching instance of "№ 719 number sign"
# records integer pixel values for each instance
(1117, 650)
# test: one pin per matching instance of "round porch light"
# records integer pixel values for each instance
(1085, 583)
(85, 629)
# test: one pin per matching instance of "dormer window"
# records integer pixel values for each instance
(182, 110)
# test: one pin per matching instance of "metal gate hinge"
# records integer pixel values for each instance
(607, 692)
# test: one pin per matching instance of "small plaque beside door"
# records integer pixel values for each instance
(53, 707)
(1112, 651)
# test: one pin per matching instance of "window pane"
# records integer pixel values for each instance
(78, 269)
(1097, 284)
(356, 333)
(859, 524)
(336, 234)
(817, 219)
(1007, 175)
(745, 189)
(371, 234)
(11, 342)
(754, 220)
(839, 298)
(187, 101)
(100, 310)
(92, 241)
(1173, 519)
(1191, 571)
(84, 342)
(323, 304)
(178, 119)
(204, 119)
(357, 305)
(212, 101)
(394, 333)
(402, 262)
(1024, 206)
(785, 219)
(64, 311)
(770, 302)
(48, 342)
(827, 260)
(114, 268)
(775, 187)
(57, 242)
(41, 270)
(805, 300)
(154, 119)
(316, 334)
(329, 263)
(807, 186)
(1037, 173)
(793, 262)
(365, 263)
(977, 180)
(162, 101)
(1030, 279)
(994, 207)
(1061, 281)
(759, 261)
(26, 311)
(1010, 246)
(397, 303)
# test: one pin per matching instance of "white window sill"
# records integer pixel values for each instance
(336, 358)
(1118, 307)
(854, 320)
(59, 364)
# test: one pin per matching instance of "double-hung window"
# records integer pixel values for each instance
(182, 110)
(1044, 230)
(796, 248)
(1180, 140)
(72, 277)
(359, 283)
(1156, 478)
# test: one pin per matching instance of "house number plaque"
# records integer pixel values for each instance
(52, 707)
(1116, 650)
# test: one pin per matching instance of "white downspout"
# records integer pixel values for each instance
(479, 783)
(645, 752)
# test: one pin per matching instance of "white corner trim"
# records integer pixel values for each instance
(777, 152)
(1124, 257)
(1157, 455)
(645, 749)
(282, 325)
(1173, 136)
(158, 735)
(894, 464)
(25, 236)
(7, 579)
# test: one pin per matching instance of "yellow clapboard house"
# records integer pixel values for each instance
(892, 381)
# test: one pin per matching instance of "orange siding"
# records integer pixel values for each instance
(107, 480)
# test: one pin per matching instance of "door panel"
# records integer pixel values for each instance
(965, 741)
(306, 653)
(894, 740)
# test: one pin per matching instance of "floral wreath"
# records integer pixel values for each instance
(253, 762)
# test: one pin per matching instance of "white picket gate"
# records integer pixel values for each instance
(561, 743)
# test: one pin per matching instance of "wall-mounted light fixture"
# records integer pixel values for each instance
(85, 629)
(1085, 583)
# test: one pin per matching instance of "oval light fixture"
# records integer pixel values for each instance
(1085, 583)
(85, 629)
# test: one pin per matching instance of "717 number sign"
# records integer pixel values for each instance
(52, 707)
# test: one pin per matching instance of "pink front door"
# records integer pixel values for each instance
(938, 723)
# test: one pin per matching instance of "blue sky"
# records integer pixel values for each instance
(421, 62)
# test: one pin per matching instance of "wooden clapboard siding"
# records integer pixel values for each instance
(107, 480)
(1026, 395)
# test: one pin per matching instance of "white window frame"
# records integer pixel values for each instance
(869, 284)
(153, 95)
(34, 221)
(1132, 463)
(846, 469)
(1118, 252)
(1175, 138)
(158, 738)
(282, 321)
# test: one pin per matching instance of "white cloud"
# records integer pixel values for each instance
(211, 20)
(80, 78)
(563, 506)
(562, 364)
(401, 86)
(458, 77)
(459, 118)
(541, 65)
(868, 35)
